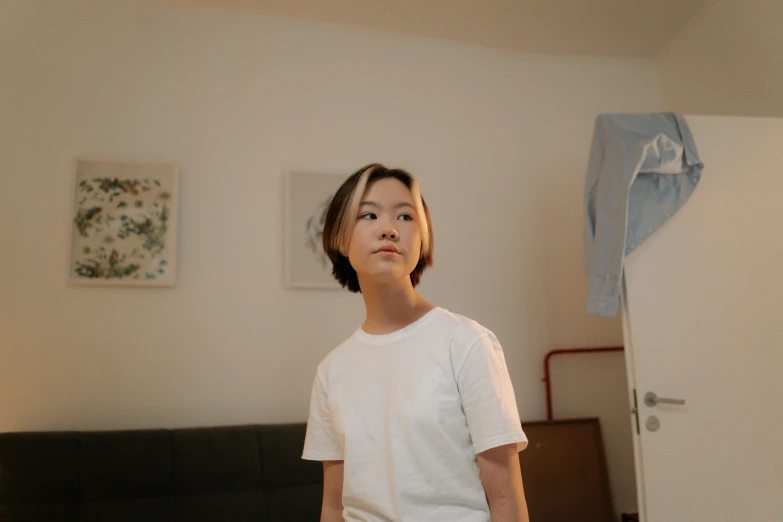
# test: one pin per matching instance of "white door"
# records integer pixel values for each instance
(703, 322)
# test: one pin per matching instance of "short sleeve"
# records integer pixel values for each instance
(321, 441)
(488, 397)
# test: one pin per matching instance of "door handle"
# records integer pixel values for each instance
(651, 399)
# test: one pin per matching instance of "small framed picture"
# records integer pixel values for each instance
(307, 198)
(124, 223)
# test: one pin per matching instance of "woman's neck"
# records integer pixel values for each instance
(392, 307)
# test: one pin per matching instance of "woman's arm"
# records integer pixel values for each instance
(332, 506)
(502, 480)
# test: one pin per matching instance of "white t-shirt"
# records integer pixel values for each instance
(408, 412)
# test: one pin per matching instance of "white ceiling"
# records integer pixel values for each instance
(614, 28)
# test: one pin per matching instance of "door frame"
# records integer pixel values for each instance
(635, 421)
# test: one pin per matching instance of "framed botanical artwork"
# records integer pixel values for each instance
(124, 223)
(307, 198)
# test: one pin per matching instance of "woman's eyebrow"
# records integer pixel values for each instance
(376, 205)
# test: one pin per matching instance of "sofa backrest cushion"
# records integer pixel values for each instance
(238, 473)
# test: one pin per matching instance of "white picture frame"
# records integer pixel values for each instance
(306, 198)
(123, 229)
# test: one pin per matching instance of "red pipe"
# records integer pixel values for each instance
(547, 378)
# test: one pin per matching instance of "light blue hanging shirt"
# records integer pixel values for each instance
(642, 169)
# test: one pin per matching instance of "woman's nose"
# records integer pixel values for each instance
(388, 232)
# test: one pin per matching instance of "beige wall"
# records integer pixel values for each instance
(499, 141)
(727, 60)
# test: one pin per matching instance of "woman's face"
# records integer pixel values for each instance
(385, 244)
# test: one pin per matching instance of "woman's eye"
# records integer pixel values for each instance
(406, 217)
(369, 215)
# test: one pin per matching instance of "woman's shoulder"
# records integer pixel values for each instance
(464, 330)
(339, 351)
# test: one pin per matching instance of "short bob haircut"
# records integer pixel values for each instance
(341, 218)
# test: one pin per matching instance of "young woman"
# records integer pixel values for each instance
(414, 415)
